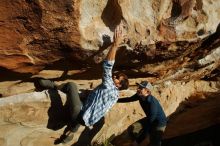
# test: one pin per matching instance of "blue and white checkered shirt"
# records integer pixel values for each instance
(102, 98)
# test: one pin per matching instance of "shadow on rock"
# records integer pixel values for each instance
(194, 123)
(206, 137)
(58, 113)
(87, 135)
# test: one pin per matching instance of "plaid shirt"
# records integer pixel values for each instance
(102, 98)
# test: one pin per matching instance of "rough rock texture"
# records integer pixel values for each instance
(38, 118)
(175, 44)
(36, 33)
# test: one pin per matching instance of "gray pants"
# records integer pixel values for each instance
(140, 131)
(74, 104)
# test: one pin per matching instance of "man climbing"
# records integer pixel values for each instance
(154, 124)
(99, 101)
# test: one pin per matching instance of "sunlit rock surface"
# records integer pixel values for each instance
(39, 117)
(37, 33)
(175, 44)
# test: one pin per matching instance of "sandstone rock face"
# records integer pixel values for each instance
(37, 118)
(37, 33)
(32, 32)
(175, 44)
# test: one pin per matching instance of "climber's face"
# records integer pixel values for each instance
(117, 80)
